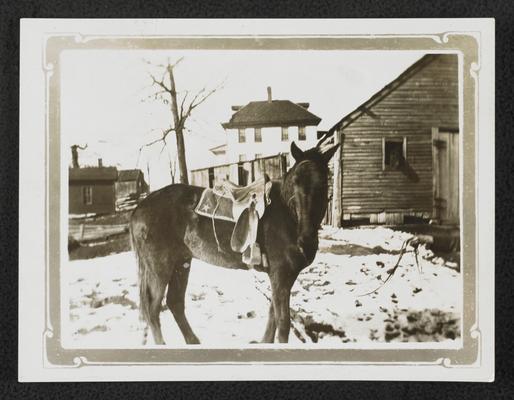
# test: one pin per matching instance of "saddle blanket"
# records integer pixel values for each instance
(212, 205)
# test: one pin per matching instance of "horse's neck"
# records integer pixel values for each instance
(282, 192)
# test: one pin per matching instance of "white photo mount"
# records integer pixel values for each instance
(43, 179)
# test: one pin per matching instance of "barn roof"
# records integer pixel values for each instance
(93, 174)
(381, 94)
(272, 113)
(129, 175)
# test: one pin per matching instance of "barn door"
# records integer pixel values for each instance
(446, 175)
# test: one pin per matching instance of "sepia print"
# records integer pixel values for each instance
(256, 199)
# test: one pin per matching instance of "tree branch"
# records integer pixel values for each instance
(160, 83)
(197, 100)
(181, 115)
(165, 133)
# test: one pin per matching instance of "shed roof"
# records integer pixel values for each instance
(272, 113)
(93, 174)
(129, 175)
(222, 148)
(386, 90)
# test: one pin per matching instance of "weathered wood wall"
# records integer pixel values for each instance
(273, 166)
(427, 98)
(127, 188)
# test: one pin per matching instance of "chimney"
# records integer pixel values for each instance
(100, 163)
(269, 94)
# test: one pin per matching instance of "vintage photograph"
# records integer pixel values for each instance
(324, 184)
(243, 198)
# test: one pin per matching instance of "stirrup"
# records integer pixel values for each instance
(252, 255)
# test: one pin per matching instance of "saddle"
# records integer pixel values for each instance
(256, 193)
(244, 193)
(244, 206)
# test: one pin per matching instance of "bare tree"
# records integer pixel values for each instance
(166, 91)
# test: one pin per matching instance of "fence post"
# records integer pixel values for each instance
(337, 181)
(283, 163)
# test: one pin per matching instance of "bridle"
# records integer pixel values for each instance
(290, 206)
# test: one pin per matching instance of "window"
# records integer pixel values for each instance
(301, 133)
(285, 134)
(242, 137)
(87, 195)
(393, 153)
(257, 135)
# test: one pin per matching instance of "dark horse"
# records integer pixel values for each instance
(166, 234)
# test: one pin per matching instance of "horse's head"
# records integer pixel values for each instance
(307, 187)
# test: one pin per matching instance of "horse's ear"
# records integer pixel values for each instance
(296, 152)
(328, 152)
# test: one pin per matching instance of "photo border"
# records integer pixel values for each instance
(465, 44)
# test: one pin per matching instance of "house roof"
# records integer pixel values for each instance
(129, 175)
(93, 174)
(272, 113)
(381, 94)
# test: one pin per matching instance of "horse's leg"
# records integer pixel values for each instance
(176, 297)
(156, 289)
(281, 284)
(271, 326)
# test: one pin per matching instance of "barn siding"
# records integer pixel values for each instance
(428, 98)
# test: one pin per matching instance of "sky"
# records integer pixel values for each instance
(105, 103)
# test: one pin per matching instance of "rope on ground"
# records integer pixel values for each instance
(415, 242)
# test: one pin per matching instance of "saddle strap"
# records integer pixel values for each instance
(214, 225)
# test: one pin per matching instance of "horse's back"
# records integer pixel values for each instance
(165, 225)
(164, 213)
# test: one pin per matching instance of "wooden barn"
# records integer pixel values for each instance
(399, 155)
(91, 190)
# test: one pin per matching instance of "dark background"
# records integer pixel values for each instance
(11, 11)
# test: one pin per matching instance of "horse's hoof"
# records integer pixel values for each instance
(193, 340)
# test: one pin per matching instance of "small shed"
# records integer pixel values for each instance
(131, 183)
(399, 154)
(91, 190)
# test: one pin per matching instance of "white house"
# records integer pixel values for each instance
(265, 128)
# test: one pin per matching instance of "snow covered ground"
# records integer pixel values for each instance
(329, 305)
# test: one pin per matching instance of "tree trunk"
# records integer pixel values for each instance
(181, 148)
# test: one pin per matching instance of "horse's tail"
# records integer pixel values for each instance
(143, 282)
